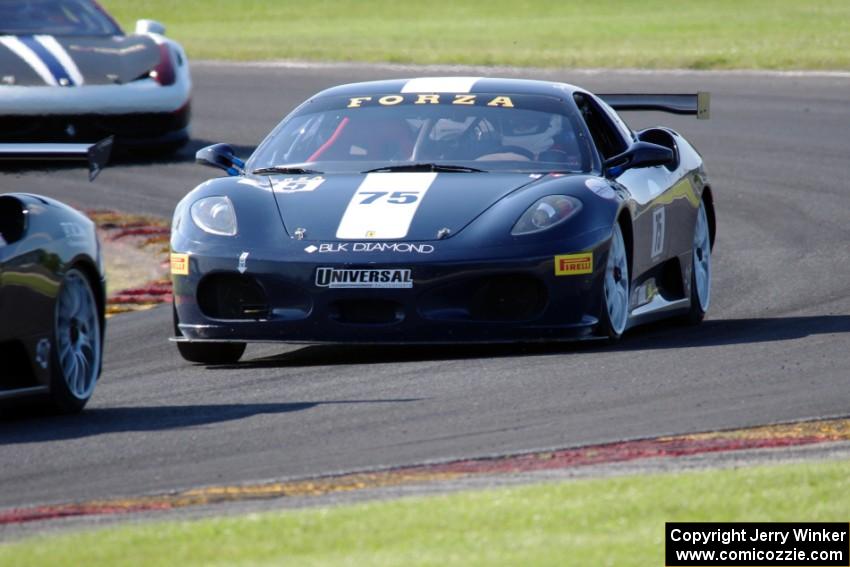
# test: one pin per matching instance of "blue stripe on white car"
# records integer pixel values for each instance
(61, 55)
(46, 57)
(19, 48)
(60, 75)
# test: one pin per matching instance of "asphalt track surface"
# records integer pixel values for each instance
(774, 348)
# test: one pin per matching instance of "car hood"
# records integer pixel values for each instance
(41, 60)
(388, 206)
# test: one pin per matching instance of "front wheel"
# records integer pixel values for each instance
(206, 353)
(76, 359)
(615, 309)
(700, 269)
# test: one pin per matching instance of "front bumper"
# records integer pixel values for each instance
(129, 129)
(137, 113)
(500, 299)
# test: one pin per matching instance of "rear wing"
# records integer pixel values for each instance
(97, 155)
(694, 104)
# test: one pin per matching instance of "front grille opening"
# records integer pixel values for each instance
(367, 311)
(232, 296)
(508, 298)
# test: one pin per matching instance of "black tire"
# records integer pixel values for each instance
(697, 310)
(211, 353)
(605, 330)
(606, 327)
(695, 313)
(206, 353)
(77, 342)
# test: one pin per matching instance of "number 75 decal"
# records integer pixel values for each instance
(396, 198)
(384, 205)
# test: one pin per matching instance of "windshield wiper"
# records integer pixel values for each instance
(425, 167)
(285, 169)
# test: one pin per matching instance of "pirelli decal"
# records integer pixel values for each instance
(433, 98)
(574, 264)
(180, 264)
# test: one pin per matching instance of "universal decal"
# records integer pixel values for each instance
(574, 264)
(384, 205)
(349, 278)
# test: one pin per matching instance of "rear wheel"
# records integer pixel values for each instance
(615, 312)
(700, 269)
(76, 359)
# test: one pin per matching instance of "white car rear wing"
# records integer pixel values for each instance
(698, 104)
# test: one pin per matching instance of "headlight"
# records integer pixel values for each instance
(215, 215)
(549, 211)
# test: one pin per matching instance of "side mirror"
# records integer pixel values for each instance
(149, 26)
(639, 154)
(222, 157)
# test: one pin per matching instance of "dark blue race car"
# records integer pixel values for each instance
(444, 210)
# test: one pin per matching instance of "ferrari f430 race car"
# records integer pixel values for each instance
(68, 73)
(52, 289)
(444, 210)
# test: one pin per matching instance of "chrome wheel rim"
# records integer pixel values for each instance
(78, 335)
(617, 283)
(702, 259)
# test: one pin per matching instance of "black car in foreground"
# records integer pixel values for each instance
(445, 210)
(52, 290)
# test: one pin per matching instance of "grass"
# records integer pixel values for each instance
(614, 521)
(713, 34)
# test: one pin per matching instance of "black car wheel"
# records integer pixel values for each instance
(207, 353)
(700, 269)
(76, 358)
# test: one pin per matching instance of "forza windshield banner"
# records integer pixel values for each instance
(762, 544)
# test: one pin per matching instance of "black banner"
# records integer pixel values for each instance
(757, 544)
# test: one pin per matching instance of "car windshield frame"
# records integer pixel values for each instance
(81, 18)
(551, 113)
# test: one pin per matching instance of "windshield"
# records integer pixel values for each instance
(487, 132)
(54, 17)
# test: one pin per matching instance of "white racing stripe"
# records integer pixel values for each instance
(384, 205)
(440, 85)
(55, 49)
(17, 47)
